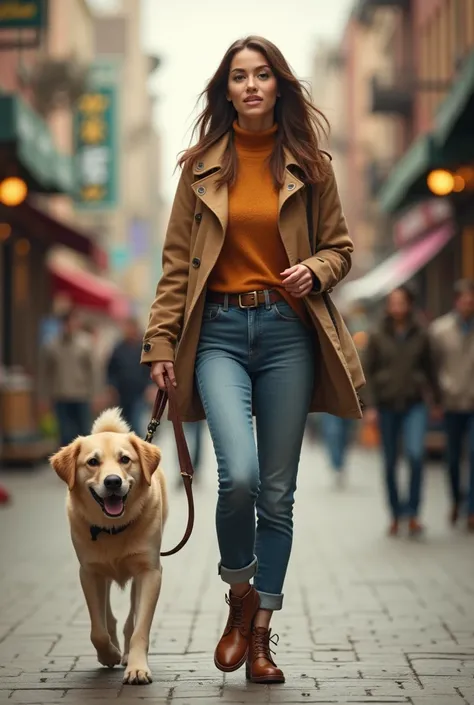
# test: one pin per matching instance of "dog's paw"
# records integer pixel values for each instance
(109, 656)
(125, 660)
(137, 675)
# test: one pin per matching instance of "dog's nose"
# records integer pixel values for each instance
(113, 482)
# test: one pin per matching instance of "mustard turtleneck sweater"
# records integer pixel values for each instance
(253, 254)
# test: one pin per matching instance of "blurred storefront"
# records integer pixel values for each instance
(429, 192)
(48, 261)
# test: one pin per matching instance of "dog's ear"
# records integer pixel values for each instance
(148, 454)
(64, 462)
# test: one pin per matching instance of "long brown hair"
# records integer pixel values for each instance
(300, 123)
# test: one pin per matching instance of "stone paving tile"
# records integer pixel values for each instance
(366, 619)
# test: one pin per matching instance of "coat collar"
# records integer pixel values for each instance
(206, 171)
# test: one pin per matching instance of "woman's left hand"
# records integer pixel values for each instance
(298, 280)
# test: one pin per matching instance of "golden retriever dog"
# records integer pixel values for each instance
(117, 506)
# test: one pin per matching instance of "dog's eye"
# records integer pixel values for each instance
(124, 459)
(93, 462)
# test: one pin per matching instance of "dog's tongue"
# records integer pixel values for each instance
(113, 505)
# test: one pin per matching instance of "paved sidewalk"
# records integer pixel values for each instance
(367, 619)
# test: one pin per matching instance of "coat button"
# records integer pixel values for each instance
(147, 347)
(201, 190)
(198, 217)
(196, 262)
(291, 187)
(200, 166)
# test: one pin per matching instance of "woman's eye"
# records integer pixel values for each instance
(93, 462)
(264, 75)
(238, 77)
(125, 460)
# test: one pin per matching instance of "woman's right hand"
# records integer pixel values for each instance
(158, 372)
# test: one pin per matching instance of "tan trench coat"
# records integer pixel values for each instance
(193, 242)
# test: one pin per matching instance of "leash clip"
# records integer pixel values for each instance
(151, 430)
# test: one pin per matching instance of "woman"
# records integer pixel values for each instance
(400, 380)
(241, 292)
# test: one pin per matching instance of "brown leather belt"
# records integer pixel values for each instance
(249, 299)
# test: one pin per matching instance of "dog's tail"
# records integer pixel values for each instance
(111, 420)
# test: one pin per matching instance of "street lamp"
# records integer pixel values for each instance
(13, 191)
(440, 182)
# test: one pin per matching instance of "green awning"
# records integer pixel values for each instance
(409, 169)
(407, 181)
(30, 137)
(456, 113)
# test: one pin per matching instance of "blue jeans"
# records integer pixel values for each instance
(411, 425)
(336, 434)
(460, 426)
(261, 358)
(74, 419)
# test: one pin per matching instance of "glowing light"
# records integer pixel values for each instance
(13, 191)
(459, 183)
(440, 182)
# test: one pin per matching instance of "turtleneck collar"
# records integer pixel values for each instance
(254, 141)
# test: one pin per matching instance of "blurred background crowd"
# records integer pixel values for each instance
(85, 196)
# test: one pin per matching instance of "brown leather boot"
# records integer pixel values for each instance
(261, 668)
(232, 649)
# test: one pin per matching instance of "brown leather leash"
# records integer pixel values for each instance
(185, 464)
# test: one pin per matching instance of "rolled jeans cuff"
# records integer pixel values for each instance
(240, 575)
(268, 601)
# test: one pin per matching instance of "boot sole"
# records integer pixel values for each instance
(265, 679)
(230, 669)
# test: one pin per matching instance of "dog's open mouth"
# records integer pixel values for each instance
(113, 505)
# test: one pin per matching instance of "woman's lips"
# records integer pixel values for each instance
(252, 101)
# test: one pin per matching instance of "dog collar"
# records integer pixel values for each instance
(96, 530)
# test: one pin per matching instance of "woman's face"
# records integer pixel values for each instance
(398, 305)
(252, 88)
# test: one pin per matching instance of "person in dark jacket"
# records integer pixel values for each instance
(401, 380)
(129, 379)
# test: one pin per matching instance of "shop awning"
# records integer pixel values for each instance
(456, 113)
(397, 269)
(26, 139)
(408, 170)
(88, 290)
(49, 230)
(407, 182)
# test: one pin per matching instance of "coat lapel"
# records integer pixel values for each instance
(216, 199)
(207, 172)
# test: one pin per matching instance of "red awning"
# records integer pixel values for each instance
(88, 290)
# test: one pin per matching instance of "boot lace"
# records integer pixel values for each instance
(261, 644)
(236, 614)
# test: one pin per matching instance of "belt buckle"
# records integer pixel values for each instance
(255, 299)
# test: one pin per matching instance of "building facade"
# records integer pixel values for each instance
(427, 88)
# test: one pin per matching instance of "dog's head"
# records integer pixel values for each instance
(107, 467)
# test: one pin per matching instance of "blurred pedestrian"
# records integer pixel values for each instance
(337, 433)
(69, 378)
(401, 380)
(127, 379)
(241, 292)
(453, 340)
